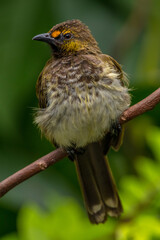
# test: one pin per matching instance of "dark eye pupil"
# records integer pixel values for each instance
(67, 36)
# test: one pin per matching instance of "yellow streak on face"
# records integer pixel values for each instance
(73, 46)
(66, 31)
(56, 33)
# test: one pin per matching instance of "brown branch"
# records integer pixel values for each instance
(30, 170)
(141, 107)
(44, 162)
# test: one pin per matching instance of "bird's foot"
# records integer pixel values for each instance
(116, 129)
(72, 152)
(117, 135)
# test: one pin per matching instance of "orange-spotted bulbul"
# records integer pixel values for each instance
(82, 94)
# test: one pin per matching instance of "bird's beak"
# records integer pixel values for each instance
(44, 37)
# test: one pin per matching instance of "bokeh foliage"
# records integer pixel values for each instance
(49, 206)
(65, 219)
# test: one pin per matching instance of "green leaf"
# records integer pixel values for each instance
(149, 169)
(144, 227)
(66, 221)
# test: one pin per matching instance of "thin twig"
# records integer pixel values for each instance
(141, 107)
(44, 162)
(30, 170)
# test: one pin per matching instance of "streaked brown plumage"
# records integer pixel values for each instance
(81, 94)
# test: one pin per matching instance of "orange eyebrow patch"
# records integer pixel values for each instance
(56, 33)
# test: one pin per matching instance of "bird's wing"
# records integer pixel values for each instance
(41, 92)
(116, 68)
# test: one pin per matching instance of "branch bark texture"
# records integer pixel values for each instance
(44, 162)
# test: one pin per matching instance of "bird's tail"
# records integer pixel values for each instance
(97, 184)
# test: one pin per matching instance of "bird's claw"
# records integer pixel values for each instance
(72, 152)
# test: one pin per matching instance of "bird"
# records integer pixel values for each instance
(82, 94)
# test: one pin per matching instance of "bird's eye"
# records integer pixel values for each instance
(68, 36)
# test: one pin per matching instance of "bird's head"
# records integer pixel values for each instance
(69, 38)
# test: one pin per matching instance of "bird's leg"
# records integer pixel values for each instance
(72, 152)
(117, 135)
(116, 129)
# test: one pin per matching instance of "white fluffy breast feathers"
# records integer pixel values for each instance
(84, 119)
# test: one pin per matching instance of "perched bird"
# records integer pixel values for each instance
(82, 94)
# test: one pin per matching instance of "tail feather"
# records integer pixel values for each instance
(97, 184)
(91, 194)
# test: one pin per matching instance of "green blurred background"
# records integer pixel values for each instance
(49, 205)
